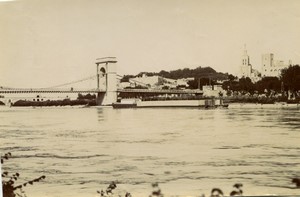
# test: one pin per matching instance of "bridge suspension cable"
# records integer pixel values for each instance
(73, 82)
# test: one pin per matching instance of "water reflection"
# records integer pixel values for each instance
(100, 114)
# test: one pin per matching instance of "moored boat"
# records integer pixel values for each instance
(206, 103)
(125, 103)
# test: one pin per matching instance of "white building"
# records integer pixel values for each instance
(174, 83)
(271, 67)
(157, 82)
(246, 69)
(147, 81)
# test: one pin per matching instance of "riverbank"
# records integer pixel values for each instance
(260, 100)
(241, 101)
(281, 105)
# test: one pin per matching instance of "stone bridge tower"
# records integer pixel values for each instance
(106, 80)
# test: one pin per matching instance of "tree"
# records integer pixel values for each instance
(231, 77)
(199, 72)
(126, 78)
(88, 96)
(231, 83)
(291, 78)
(268, 83)
(245, 84)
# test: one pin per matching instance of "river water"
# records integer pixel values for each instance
(187, 151)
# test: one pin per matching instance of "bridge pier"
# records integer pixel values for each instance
(107, 76)
(100, 98)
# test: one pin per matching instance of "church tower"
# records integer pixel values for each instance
(245, 68)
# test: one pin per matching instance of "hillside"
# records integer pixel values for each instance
(199, 72)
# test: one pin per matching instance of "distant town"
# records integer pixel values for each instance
(275, 79)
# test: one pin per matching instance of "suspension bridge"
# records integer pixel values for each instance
(106, 89)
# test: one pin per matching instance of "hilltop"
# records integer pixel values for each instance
(199, 72)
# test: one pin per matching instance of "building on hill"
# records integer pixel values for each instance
(246, 69)
(147, 81)
(174, 83)
(271, 67)
(156, 82)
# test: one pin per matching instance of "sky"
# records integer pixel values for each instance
(48, 42)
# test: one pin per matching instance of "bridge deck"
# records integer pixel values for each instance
(20, 91)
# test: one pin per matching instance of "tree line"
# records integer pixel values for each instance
(87, 99)
(289, 80)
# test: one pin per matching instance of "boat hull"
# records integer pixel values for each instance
(205, 103)
(124, 105)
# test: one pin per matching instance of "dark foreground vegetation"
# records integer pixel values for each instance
(9, 181)
(157, 192)
(237, 190)
(13, 189)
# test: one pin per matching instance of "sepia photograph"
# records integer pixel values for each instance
(149, 98)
